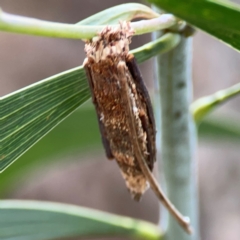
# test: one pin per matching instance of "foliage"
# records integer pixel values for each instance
(27, 115)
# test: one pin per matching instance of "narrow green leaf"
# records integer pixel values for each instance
(32, 220)
(159, 46)
(77, 135)
(218, 18)
(28, 114)
(220, 128)
(201, 107)
(113, 15)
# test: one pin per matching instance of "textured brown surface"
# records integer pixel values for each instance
(122, 104)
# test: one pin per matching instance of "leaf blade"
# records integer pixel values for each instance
(220, 128)
(218, 18)
(42, 220)
(127, 12)
(22, 132)
(203, 106)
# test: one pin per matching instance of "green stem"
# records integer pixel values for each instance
(25, 25)
(178, 136)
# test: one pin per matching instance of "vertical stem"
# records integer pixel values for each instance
(178, 135)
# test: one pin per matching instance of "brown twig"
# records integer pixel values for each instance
(183, 221)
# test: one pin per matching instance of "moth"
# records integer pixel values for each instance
(122, 103)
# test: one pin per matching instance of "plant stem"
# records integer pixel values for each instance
(25, 25)
(178, 135)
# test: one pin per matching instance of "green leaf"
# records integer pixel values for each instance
(159, 46)
(220, 128)
(113, 15)
(31, 220)
(201, 107)
(77, 135)
(218, 18)
(28, 114)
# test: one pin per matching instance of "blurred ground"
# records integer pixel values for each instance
(98, 184)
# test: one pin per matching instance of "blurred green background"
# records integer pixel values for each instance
(69, 165)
